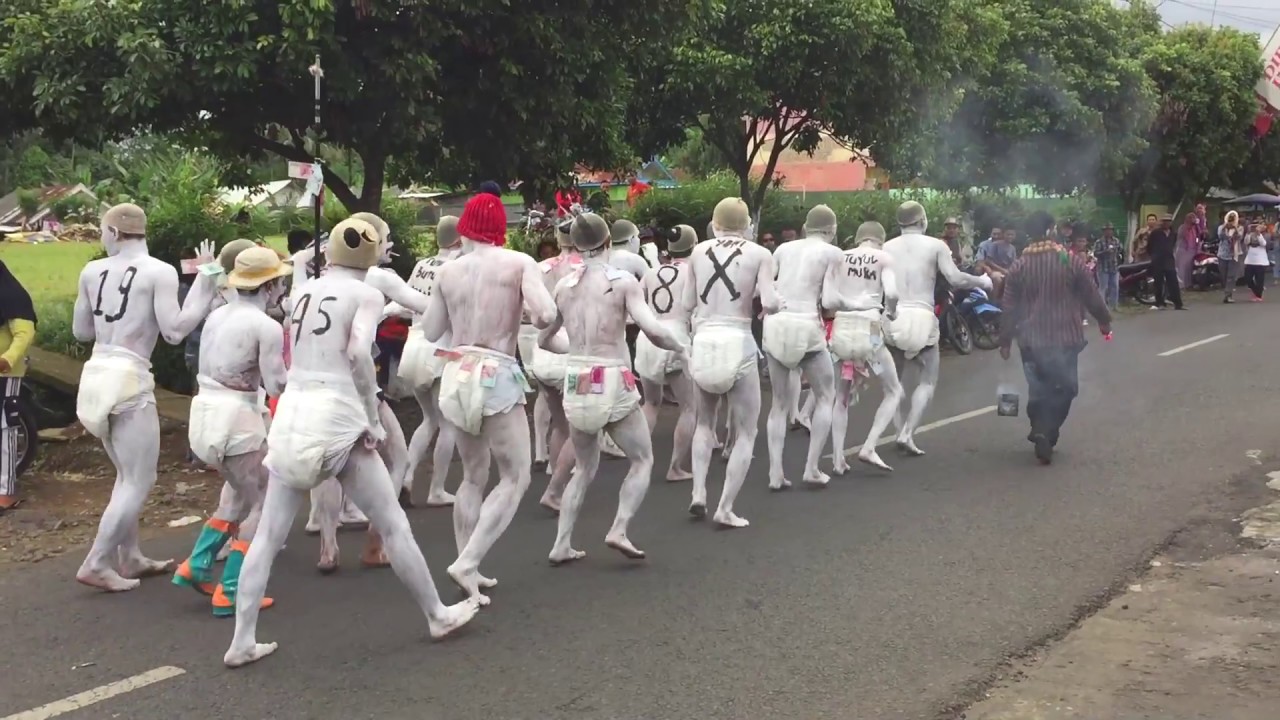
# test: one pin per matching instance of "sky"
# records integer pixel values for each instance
(1260, 16)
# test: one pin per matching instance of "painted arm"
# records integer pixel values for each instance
(537, 300)
(889, 285)
(271, 359)
(395, 309)
(364, 328)
(648, 321)
(177, 322)
(959, 280)
(435, 322)
(397, 290)
(831, 298)
(82, 315)
(769, 299)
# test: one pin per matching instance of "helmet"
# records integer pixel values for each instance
(447, 232)
(820, 220)
(589, 232)
(227, 256)
(624, 231)
(354, 244)
(731, 215)
(685, 239)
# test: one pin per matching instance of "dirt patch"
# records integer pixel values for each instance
(66, 490)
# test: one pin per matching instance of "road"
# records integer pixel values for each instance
(877, 597)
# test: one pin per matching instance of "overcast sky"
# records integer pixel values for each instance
(1260, 16)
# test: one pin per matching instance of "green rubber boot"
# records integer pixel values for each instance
(197, 571)
(224, 596)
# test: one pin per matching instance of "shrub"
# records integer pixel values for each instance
(53, 331)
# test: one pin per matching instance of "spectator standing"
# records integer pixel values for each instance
(1160, 245)
(1046, 293)
(17, 331)
(1230, 248)
(1256, 261)
(1139, 250)
(951, 235)
(1184, 254)
(1109, 252)
(995, 257)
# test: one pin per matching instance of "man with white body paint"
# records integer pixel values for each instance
(599, 388)
(918, 259)
(863, 291)
(548, 369)
(241, 352)
(795, 340)
(123, 303)
(664, 287)
(478, 299)
(420, 367)
(625, 253)
(725, 276)
(327, 424)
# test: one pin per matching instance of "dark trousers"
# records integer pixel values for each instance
(10, 422)
(1255, 276)
(1167, 280)
(1052, 383)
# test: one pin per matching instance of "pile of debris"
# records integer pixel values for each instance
(80, 232)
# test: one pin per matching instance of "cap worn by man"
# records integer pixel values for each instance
(870, 230)
(484, 220)
(353, 244)
(821, 219)
(686, 238)
(731, 216)
(952, 221)
(623, 232)
(447, 232)
(126, 219)
(589, 232)
(911, 213)
(255, 266)
(227, 256)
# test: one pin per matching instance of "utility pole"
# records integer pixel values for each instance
(317, 178)
(1213, 16)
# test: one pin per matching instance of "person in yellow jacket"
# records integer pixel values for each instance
(17, 330)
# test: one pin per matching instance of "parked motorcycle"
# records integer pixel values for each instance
(1137, 282)
(982, 316)
(21, 414)
(952, 326)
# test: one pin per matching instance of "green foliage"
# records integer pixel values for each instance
(695, 157)
(180, 195)
(75, 208)
(28, 202)
(53, 332)
(1003, 210)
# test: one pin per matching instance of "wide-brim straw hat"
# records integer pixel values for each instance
(257, 266)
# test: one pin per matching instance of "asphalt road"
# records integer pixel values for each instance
(878, 597)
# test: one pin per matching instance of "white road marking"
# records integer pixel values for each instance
(922, 429)
(1195, 344)
(98, 694)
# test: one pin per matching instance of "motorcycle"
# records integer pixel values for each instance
(952, 326)
(982, 316)
(21, 415)
(1137, 282)
(1205, 271)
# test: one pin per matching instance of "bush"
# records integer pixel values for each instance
(411, 241)
(53, 331)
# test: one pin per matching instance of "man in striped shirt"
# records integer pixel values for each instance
(1045, 295)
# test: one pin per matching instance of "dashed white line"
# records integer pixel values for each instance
(98, 694)
(926, 428)
(1195, 344)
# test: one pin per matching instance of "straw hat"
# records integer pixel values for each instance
(256, 266)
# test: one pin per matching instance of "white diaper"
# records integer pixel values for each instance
(652, 362)
(723, 352)
(420, 366)
(856, 335)
(478, 382)
(115, 380)
(790, 336)
(598, 392)
(913, 330)
(526, 344)
(318, 420)
(225, 422)
(548, 367)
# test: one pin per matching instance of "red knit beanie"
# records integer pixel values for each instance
(484, 219)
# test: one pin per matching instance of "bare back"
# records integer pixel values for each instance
(122, 293)
(664, 290)
(238, 346)
(725, 275)
(917, 261)
(593, 308)
(321, 326)
(861, 276)
(481, 295)
(802, 266)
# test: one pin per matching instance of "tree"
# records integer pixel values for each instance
(1063, 105)
(29, 203)
(449, 91)
(759, 78)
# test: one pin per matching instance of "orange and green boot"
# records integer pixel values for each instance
(196, 572)
(224, 596)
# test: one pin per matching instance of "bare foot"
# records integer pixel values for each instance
(871, 457)
(352, 519)
(312, 528)
(485, 582)
(674, 475)
(453, 617)
(620, 543)
(698, 509)
(107, 580)
(725, 451)
(908, 446)
(840, 466)
(469, 581)
(328, 565)
(239, 658)
(374, 558)
(729, 520)
(779, 483)
(550, 503)
(140, 567)
(560, 557)
(608, 447)
(816, 477)
(440, 499)
(406, 498)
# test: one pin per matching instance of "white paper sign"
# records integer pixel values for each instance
(1268, 88)
(300, 170)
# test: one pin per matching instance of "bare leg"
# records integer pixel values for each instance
(704, 442)
(367, 480)
(133, 444)
(884, 414)
(395, 451)
(313, 515)
(506, 437)
(920, 397)
(326, 503)
(652, 401)
(840, 423)
(350, 516)
(806, 410)
(420, 443)
(682, 442)
(244, 474)
(586, 450)
(446, 443)
(727, 445)
(796, 390)
(817, 367)
(744, 399)
(278, 510)
(783, 383)
(632, 434)
(541, 429)
(561, 451)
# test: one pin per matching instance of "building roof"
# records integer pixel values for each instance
(11, 210)
(252, 195)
